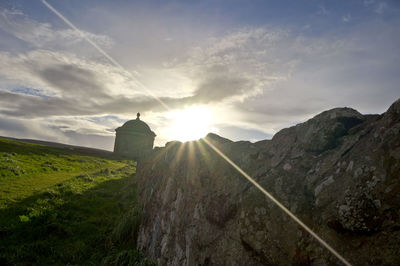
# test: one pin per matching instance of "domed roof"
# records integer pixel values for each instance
(137, 126)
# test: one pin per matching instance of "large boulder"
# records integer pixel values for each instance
(324, 131)
(339, 172)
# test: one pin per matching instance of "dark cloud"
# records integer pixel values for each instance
(73, 81)
(83, 94)
(219, 88)
(21, 105)
(12, 125)
(267, 78)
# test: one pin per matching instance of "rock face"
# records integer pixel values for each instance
(339, 173)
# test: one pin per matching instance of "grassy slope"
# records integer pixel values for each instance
(59, 207)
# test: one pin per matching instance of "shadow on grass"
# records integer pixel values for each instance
(63, 226)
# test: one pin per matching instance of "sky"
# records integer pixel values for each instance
(241, 69)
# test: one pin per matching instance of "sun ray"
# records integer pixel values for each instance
(163, 152)
(191, 155)
(191, 128)
(179, 153)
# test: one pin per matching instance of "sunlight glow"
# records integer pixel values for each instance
(190, 124)
(194, 122)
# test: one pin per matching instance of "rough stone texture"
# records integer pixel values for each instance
(339, 172)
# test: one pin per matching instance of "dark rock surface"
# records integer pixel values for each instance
(339, 172)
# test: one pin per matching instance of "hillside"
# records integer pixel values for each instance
(77, 149)
(61, 206)
(339, 172)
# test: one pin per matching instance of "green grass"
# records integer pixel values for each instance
(58, 207)
(27, 168)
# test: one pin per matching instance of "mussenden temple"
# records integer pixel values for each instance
(134, 139)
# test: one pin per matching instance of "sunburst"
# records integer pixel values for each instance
(190, 123)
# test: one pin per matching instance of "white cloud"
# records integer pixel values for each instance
(368, 2)
(257, 78)
(270, 59)
(322, 10)
(77, 132)
(381, 7)
(60, 73)
(346, 18)
(249, 54)
(43, 35)
(28, 128)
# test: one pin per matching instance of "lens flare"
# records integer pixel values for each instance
(194, 127)
(280, 205)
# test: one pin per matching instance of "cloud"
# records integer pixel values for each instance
(379, 7)
(41, 35)
(71, 85)
(221, 87)
(68, 131)
(68, 84)
(368, 2)
(255, 71)
(353, 70)
(238, 64)
(233, 67)
(322, 10)
(346, 18)
(90, 140)
(21, 128)
(72, 80)
(259, 78)
(57, 72)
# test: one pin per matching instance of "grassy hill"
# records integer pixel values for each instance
(59, 206)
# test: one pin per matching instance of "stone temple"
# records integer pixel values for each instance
(134, 139)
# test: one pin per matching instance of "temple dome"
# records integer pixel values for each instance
(136, 126)
(134, 139)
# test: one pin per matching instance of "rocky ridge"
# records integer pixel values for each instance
(339, 172)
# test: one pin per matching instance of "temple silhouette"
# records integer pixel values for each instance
(134, 139)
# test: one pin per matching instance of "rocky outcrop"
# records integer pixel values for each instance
(339, 172)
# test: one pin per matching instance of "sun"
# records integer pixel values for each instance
(190, 123)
